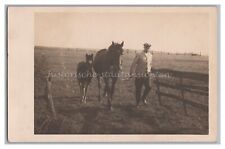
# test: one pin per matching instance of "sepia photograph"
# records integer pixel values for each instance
(124, 71)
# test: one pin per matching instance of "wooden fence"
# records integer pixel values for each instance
(181, 83)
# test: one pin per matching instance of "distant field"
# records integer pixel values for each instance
(94, 118)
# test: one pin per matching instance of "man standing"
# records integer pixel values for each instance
(140, 69)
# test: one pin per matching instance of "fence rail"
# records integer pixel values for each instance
(182, 87)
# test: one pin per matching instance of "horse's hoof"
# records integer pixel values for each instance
(111, 108)
(82, 100)
(145, 102)
(105, 95)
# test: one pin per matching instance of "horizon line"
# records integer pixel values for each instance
(95, 49)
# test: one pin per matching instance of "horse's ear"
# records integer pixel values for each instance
(113, 43)
(122, 44)
(86, 55)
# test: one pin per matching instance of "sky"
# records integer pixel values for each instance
(176, 32)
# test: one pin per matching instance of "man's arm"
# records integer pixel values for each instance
(151, 59)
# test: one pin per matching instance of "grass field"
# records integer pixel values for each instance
(94, 117)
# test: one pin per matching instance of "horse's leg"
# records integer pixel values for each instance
(104, 93)
(99, 88)
(80, 86)
(107, 90)
(85, 92)
(112, 92)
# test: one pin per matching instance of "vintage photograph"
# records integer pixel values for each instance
(134, 71)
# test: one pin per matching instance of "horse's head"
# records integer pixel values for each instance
(115, 51)
(89, 58)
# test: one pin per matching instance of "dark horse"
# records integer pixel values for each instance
(107, 64)
(84, 76)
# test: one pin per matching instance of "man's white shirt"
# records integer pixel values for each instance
(142, 63)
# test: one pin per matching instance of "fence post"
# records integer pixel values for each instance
(49, 96)
(182, 94)
(158, 88)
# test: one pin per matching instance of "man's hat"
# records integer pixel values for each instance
(147, 45)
